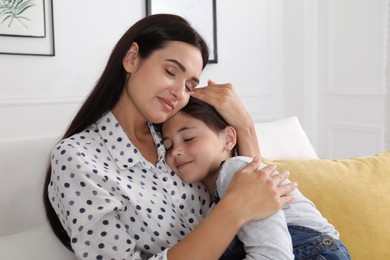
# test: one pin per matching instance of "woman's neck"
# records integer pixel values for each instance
(137, 130)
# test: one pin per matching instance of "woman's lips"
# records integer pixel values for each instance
(168, 105)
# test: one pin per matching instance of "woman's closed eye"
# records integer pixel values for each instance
(189, 84)
(170, 72)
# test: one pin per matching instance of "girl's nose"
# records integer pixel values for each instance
(176, 151)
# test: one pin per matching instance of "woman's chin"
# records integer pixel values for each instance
(159, 119)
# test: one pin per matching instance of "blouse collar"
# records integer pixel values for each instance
(124, 152)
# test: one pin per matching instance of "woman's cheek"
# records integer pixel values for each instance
(184, 101)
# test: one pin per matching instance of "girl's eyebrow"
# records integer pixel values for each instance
(182, 68)
(184, 128)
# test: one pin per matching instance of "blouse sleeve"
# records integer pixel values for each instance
(90, 208)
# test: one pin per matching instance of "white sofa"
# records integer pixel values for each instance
(24, 230)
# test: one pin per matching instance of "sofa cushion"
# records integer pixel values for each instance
(23, 165)
(284, 139)
(36, 244)
(353, 194)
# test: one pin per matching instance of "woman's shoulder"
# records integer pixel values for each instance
(78, 141)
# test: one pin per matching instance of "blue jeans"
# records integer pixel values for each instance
(307, 244)
(311, 244)
(235, 251)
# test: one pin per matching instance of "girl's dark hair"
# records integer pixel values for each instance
(151, 33)
(206, 113)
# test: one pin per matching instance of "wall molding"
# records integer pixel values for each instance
(379, 90)
(387, 79)
(310, 69)
(333, 127)
(38, 101)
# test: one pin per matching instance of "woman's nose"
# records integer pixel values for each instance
(178, 92)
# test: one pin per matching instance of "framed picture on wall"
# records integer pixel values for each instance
(26, 27)
(201, 14)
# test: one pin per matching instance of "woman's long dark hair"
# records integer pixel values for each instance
(151, 33)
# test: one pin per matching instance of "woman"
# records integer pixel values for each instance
(109, 193)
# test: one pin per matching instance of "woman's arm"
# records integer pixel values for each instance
(249, 191)
(226, 101)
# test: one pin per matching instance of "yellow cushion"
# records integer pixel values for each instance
(353, 194)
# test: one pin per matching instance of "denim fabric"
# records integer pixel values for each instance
(311, 244)
(235, 251)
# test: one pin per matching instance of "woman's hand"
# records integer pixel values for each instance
(252, 195)
(258, 194)
(225, 100)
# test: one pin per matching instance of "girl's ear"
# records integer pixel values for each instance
(230, 137)
(131, 58)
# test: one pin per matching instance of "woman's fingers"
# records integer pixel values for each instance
(284, 187)
(226, 101)
(214, 94)
(252, 166)
(261, 192)
(210, 82)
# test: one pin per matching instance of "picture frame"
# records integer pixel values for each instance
(201, 14)
(27, 27)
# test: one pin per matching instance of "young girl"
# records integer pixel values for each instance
(198, 140)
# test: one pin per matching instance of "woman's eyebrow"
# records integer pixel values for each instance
(181, 66)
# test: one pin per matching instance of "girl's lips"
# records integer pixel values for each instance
(182, 165)
(168, 105)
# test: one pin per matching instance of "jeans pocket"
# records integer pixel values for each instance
(311, 244)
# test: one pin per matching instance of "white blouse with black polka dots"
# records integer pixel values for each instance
(115, 204)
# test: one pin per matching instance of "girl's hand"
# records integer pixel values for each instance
(258, 194)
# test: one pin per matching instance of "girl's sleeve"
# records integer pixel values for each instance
(263, 239)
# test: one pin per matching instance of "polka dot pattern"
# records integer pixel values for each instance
(113, 203)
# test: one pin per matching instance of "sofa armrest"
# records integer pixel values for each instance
(38, 243)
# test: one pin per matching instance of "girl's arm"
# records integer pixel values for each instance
(226, 101)
(249, 191)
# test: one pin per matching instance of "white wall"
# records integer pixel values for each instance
(39, 95)
(335, 59)
(275, 52)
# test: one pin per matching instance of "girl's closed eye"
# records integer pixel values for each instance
(188, 139)
(167, 145)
